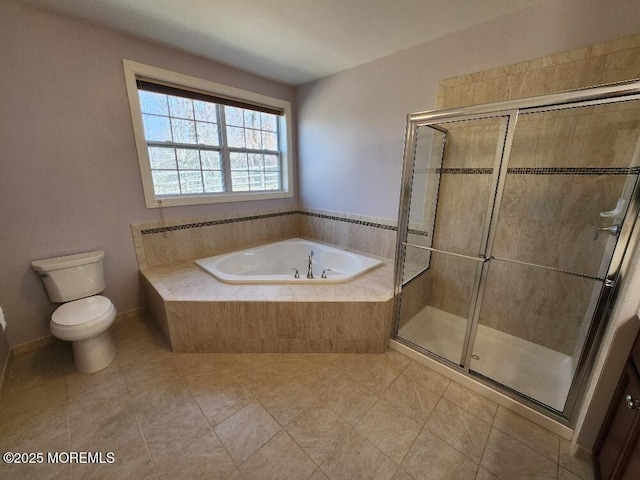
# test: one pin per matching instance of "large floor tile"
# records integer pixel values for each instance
(356, 458)
(218, 401)
(204, 458)
(411, 398)
(472, 402)
(78, 382)
(279, 459)
(426, 377)
(348, 398)
(376, 372)
(564, 474)
(116, 431)
(286, 400)
(402, 475)
(106, 424)
(168, 435)
(389, 430)
(534, 436)
(484, 475)
(430, 458)
(460, 429)
(246, 431)
(317, 373)
(318, 430)
(509, 459)
(101, 396)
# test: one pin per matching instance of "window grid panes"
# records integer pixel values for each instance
(187, 153)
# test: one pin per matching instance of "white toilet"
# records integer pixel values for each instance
(85, 319)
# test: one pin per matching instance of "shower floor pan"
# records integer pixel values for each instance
(536, 371)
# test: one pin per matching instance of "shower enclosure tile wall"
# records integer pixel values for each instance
(523, 203)
(609, 62)
(547, 215)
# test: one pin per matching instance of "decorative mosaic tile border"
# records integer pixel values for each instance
(545, 171)
(186, 226)
(349, 220)
(574, 171)
(465, 171)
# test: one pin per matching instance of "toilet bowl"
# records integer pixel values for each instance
(85, 322)
(85, 317)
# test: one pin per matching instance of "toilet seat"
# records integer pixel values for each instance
(82, 318)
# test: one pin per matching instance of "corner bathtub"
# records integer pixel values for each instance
(276, 263)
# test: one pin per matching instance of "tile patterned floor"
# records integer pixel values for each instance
(264, 416)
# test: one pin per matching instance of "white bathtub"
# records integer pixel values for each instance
(272, 263)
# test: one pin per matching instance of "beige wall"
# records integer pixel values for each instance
(69, 175)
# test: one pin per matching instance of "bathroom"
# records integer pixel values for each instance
(73, 183)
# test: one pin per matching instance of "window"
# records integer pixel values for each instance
(200, 142)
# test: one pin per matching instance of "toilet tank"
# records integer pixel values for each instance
(73, 276)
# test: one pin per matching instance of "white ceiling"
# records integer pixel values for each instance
(292, 41)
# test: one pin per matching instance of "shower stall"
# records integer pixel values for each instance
(513, 225)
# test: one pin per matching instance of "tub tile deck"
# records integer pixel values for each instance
(182, 281)
(198, 313)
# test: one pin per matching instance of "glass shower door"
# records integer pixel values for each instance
(566, 188)
(452, 190)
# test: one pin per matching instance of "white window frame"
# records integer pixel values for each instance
(133, 70)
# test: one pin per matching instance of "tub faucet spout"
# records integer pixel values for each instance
(310, 269)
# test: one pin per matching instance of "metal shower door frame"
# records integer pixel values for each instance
(509, 111)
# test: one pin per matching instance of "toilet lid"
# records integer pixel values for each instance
(82, 311)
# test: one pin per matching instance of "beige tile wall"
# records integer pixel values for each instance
(178, 243)
(245, 326)
(240, 232)
(349, 231)
(603, 63)
(545, 219)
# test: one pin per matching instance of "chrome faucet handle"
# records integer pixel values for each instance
(295, 275)
(324, 272)
(613, 230)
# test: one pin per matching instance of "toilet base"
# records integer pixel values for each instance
(95, 353)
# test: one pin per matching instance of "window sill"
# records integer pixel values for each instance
(183, 200)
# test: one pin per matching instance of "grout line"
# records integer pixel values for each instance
(135, 412)
(66, 389)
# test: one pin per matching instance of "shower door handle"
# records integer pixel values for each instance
(613, 230)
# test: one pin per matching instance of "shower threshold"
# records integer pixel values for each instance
(533, 370)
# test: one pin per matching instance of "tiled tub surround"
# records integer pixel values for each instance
(197, 313)
(375, 236)
(160, 243)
